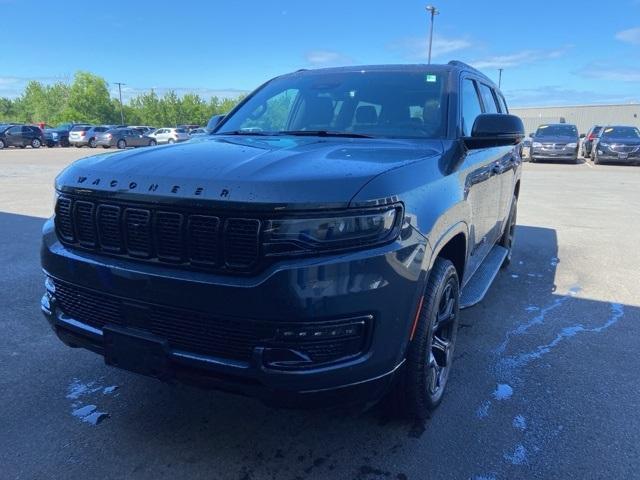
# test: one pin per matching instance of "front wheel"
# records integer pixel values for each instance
(121, 144)
(92, 143)
(421, 384)
(152, 143)
(508, 237)
(36, 143)
(2, 144)
(171, 140)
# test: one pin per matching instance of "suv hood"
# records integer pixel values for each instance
(621, 141)
(272, 172)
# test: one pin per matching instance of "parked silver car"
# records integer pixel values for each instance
(169, 135)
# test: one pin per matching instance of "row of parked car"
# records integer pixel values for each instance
(83, 134)
(561, 141)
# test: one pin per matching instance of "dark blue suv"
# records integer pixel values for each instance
(316, 248)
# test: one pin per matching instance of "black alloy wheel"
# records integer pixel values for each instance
(420, 386)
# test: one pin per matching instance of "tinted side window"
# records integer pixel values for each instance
(470, 106)
(14, 130)
(488, 100)
(503, 104)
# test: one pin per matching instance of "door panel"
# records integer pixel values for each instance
(482, 191)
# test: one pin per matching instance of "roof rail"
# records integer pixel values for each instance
(466, 66)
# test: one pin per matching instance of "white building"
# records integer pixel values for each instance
(583, 116)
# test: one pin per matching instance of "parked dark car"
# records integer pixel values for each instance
(60, 134)
(589, 138)
(617, 143)
(123, 138)
(20, 136)
(558, 141)
(315, 249)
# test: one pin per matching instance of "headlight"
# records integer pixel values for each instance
(299, 236)
(536, 144)
(605, 145)
(572, 145)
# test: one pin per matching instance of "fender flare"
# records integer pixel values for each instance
(455, 229)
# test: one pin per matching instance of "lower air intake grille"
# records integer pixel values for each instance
(205, 334)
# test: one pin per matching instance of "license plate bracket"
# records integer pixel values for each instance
(623, 156)
(135, 351)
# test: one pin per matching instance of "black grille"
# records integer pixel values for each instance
(187, 238)
(85, 223)
(64, 222)
(241, 241)
(199, 332)
(109, 231)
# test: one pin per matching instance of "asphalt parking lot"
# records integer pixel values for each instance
(545, 383)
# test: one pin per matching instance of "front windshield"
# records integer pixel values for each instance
(384, 104)
(557, 130)
(621, 132)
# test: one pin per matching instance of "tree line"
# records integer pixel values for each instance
(87, 100)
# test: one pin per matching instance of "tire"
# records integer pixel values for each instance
(152, 143)
(596, 161)
(532, 160)
(509, 235)
(171, 141)
(92, 143)
(121, 144)
(36, 143)
(2, 144)
(77, 146)
(420, 386)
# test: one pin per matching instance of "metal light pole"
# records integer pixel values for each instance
(434, 11)
(121, 107)
(500, 77)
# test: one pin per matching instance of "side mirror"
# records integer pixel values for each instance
(214, 122)
(495, 130)
(532, 134)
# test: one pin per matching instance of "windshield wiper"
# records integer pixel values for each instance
(323, 133)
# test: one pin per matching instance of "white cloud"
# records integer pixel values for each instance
(520, 58)
(325, 58)
(632, 36)
(417, 48)
(605, 71)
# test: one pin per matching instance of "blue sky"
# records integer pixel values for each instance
(552, 52)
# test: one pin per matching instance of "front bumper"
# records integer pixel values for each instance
(541, 154)
(383, 283)
(607, 156)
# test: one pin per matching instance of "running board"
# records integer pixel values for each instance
(478, 285)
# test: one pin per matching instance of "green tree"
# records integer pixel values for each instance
(89, 100)
(7, 110)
